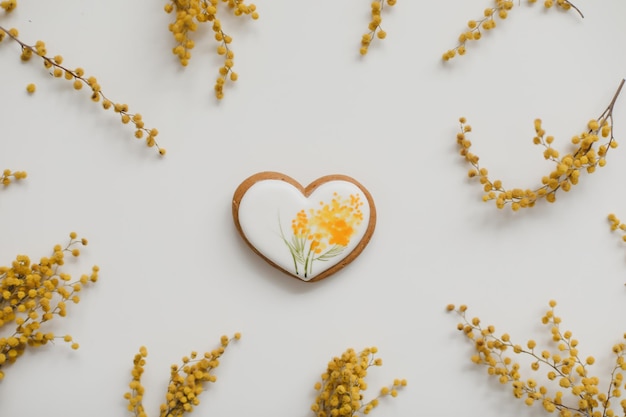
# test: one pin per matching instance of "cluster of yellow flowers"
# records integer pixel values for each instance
(191, 12)
(78, 79)
(186, 381)
(375, 30)
(8, 176)
(617, 224)
(567, 167)
(474, 28)
(8, 5)
(570, 389)
(33, 294)
(340, 392)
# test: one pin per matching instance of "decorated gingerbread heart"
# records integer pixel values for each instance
(308, 232)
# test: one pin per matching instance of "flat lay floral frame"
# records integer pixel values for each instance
(174, 273)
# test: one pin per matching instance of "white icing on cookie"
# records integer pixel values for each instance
(305, 236)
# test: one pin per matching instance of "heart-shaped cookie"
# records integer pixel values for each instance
(308, 232)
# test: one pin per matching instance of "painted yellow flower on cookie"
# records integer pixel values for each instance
(323, 233)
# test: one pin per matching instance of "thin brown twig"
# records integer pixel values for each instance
(575, 8)
(122, 109)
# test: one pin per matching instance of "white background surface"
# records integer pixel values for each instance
(175, 275)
